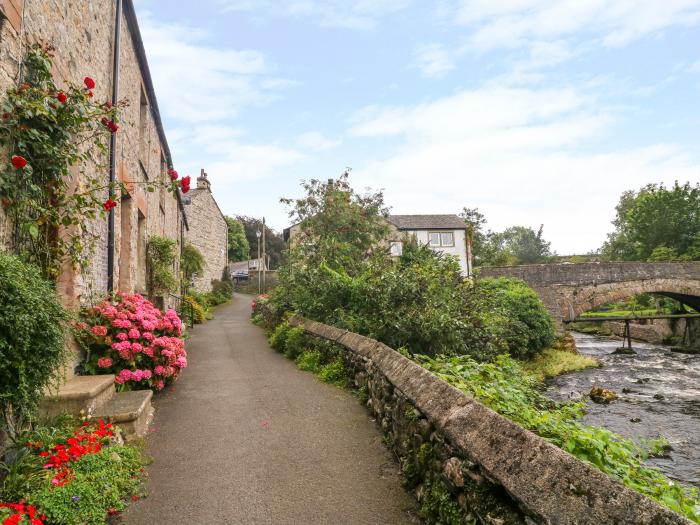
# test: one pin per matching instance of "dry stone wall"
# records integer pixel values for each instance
(496, 471)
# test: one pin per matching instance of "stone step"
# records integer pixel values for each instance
(79, 393)
(131, 411)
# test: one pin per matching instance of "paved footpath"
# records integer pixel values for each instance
(244, 437)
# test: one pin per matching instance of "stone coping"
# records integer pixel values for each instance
(124, 406)
(549, 485)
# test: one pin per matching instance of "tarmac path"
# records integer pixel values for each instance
(244, 437)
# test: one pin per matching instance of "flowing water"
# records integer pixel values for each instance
(661, 397)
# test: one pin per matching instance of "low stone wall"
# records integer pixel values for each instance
(496, 471)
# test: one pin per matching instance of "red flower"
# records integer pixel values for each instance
(110, 124)
(89, 83)
(185, 184)
(109, 204)
(173, 174)
(19, 162)
(89, 94)
(62, 98)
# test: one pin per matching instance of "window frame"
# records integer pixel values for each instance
(440, 233)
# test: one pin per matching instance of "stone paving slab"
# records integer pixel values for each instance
(244, 437)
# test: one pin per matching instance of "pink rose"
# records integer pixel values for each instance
(104, 362)
(99, 330)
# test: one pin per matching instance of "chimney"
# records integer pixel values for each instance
(202, 181)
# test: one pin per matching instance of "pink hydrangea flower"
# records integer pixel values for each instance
(134, 333)
(104, 362)
(122, 336)
(99, 330)
(136, 347)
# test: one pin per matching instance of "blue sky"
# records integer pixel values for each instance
(534, 111)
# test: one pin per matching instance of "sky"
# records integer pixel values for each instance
(536, 112)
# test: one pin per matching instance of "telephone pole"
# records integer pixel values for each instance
(264, 259)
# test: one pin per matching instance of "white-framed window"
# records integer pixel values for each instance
(441, 239)
(396, 248)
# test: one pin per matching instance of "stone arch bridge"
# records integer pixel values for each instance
(568, 290)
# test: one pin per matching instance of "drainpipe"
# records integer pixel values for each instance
(113, 146)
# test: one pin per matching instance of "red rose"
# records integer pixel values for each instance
(19, 162)
(109, 124)
(62, 98)
(109, 204)
(89, 94)
(89, 83)
(173, 174)
(185, 184)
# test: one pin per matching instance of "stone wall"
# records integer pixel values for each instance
(82, 34)
(496, 471)
(208, 232)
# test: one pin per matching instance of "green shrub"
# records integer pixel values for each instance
(294, 343)
(101, 481)
(195, 309)
(191, 263)
(32, 340)
(160, 256)
(221, 292)
(310, 361)
(278, 338)
(505, 387)
(529, 324)
(333, 372)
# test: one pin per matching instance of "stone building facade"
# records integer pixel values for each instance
(84, 35)
(208, 232)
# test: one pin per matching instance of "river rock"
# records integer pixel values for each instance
(659, 396)
(602, 395)
(635, 420)
(624, 351)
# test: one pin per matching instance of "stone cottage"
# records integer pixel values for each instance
(101, 39)
(208, 232)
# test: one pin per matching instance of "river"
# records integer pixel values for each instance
(661, 397)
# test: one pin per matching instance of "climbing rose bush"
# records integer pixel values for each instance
(132, 339)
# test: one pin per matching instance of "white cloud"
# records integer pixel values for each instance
(351, 14)
(313, 140)
(509, 23)
(521, 155)
(434, 60)
(197, 82)
(694, 68)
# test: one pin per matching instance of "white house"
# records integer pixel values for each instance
(443, 233)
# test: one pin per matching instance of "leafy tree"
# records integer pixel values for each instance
(191, 262)
(656, 218)
(160, 259)
(274, 242)
(238, 246)
(476, 223)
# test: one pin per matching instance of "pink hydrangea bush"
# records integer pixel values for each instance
(132, 339)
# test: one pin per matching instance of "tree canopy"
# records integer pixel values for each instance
(238, 246)
(514, 245)
(274, 242)
(656, 224)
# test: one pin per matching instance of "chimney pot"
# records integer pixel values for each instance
(203, 181)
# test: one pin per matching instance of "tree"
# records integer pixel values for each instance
(275, 244)
(476, 223)
(656, 218)
(238, 246)
(192, 263)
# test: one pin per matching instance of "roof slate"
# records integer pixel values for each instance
(427, 222)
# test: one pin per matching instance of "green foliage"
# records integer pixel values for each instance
(338, 273)
(294, 343)
(656, 223)
(221, 292)
(310, 361)
(160, 259)
(199, 312)
(278, 338)
(333, 372)
(32, 340)
(552, 363)
(532, 327)
(101, 481)
(238, 246)
(515, 245)
(191, 263)
(503, 386)
(274, 243)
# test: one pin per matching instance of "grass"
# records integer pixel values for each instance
(552, 363)
(621, 313)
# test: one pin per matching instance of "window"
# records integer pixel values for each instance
(441, 239)
(396, 248)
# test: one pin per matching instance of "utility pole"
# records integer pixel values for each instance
(264, 258)
(257, 234)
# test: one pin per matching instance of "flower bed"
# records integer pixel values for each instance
(69, 476)
(134, 340)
